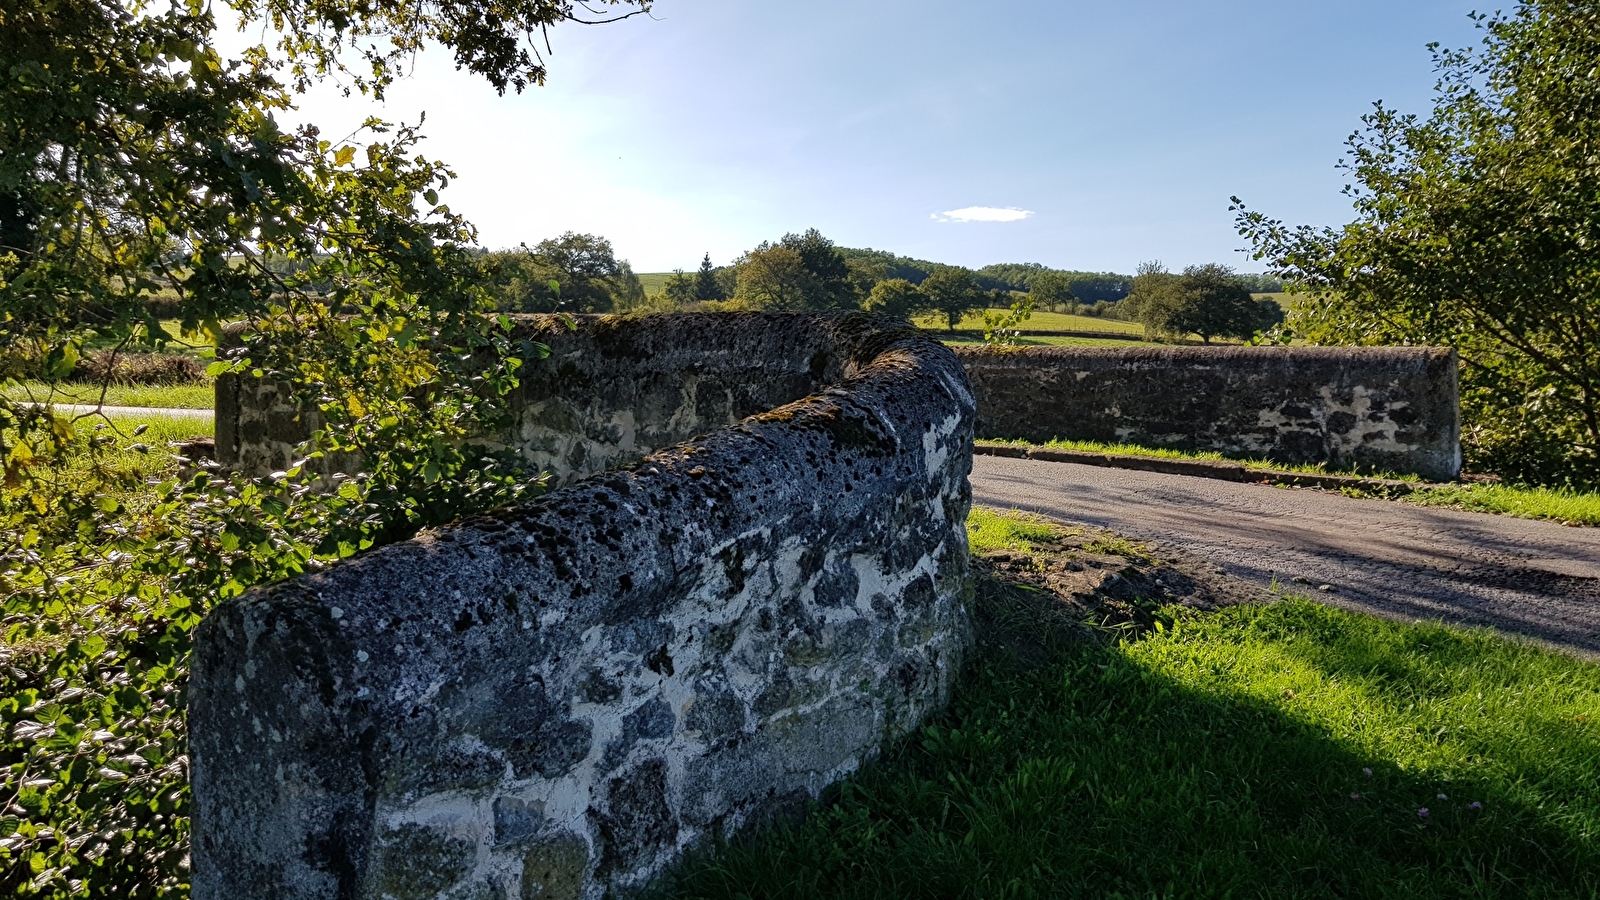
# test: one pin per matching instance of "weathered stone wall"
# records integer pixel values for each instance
(612, 390)
(553, 701)
(1381, 408)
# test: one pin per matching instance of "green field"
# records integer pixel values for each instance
(1288, 750)
(1248, 462)
(967, 340)
(1043, 321)
(656, 282)
(179, 396)
(1282, 299)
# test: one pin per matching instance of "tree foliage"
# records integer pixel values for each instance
(1478, 227)
(884, 265)
(706, 285)
(570, 273)
(1053, 291)
(136, 162)
(952, 292)
(1209, 300)
(801, 271)
(895, 297)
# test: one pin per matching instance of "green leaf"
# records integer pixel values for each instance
(344, 156)
(431, 196)
(63, 360)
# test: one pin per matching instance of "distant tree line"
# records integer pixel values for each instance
(807, 271)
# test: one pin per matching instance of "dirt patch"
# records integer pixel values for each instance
(1083, 583)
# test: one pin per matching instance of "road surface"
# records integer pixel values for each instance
(1397, 560)
(132, 412)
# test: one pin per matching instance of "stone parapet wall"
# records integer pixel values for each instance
(555, 700)
(612, 390)
(1393, 409)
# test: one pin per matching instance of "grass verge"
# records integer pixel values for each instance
(1571, 507)
(1286, 750)
(1256, 463)
(166, 396)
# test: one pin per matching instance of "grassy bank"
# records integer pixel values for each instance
(173, 396)
(1164, 453)
(1280, 751)
(1571, 507)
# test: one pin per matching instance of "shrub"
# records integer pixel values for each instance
(138, 368)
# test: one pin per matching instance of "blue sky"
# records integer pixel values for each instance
(1122, 128)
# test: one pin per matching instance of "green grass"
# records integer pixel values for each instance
(656, 282)
(159, 433)
(988, 530)
(178, 396)
(1283, 300)
(1567, 506)
(1277, 751)
(967, 340)
(136, 457)
(1264, 465)
(187, 345)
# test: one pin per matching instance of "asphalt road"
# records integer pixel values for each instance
(1533, 578)
(133, 412)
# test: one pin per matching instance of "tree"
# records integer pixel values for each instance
(953, 291)
(773, 276)
(1476, 227)
(1053, 291)
(1206, 300)
(573, 272)
(681, 289)
(828, 275)
(866, 272)
(706, 286)
(895, 297)
(1215, 304)
(1157, 298)
(137, 162)
(800, 271)
(629, 294)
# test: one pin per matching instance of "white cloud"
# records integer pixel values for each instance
(983, 214)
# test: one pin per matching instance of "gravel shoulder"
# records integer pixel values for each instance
(1531, 578)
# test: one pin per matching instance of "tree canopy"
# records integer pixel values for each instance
(1208, 300)
(800, 271)
(137, 164)
(952, 291)
(706, 286)
(1478, 227)
(571, 273)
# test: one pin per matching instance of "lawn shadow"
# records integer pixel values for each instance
(1071, 764)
